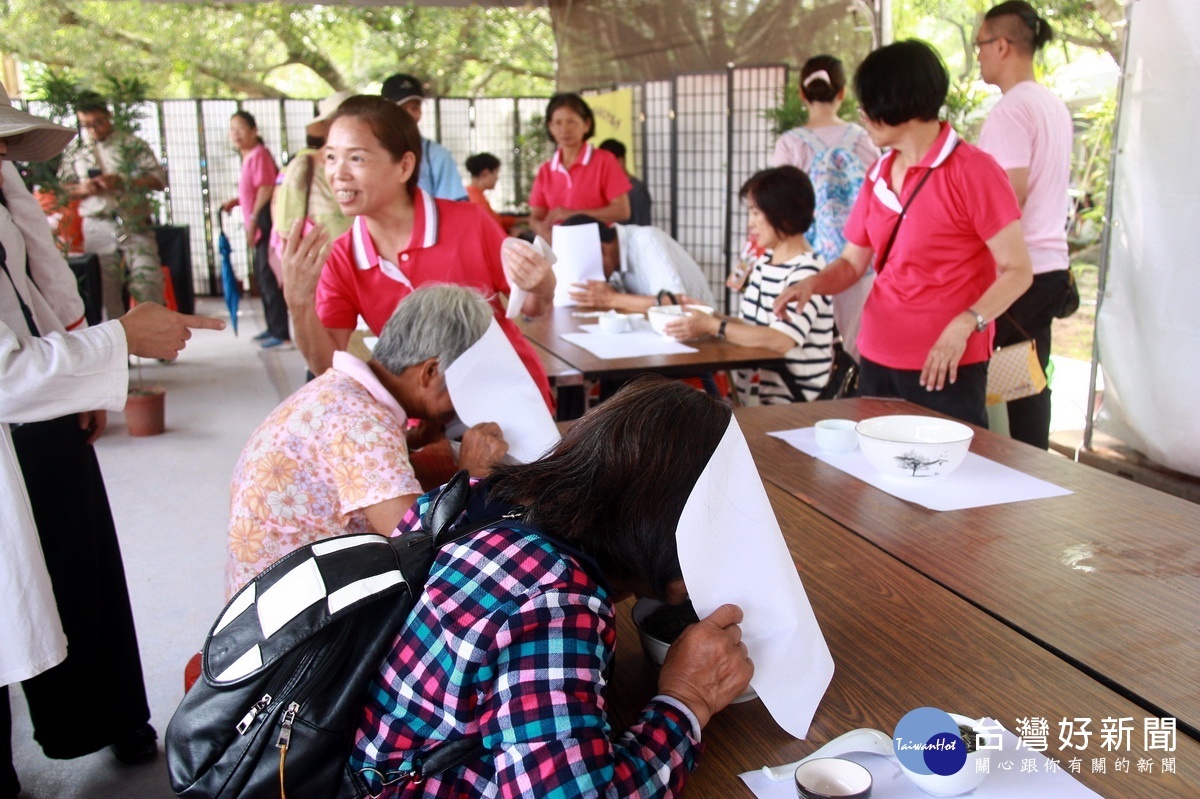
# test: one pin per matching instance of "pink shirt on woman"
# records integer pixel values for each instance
(940, 263)
(258, 169)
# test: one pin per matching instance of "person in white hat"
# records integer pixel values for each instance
(303, 191)
(437, 175)
(61, 578)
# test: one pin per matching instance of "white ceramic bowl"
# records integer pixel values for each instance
(707, 310)
(914, 447)
(659, 315)
(613, 322)
(836, 435)
(968, 777)
(655, 649)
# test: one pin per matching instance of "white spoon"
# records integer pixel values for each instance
(863, 740)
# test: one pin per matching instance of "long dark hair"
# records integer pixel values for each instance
(616, 484)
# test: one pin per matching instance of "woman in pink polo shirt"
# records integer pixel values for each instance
(255, 187)
(401, 239)
(945, 224)
(579, 178)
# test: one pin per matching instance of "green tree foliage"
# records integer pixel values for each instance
(276, 50)
(950, 25)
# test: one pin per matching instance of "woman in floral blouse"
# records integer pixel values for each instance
(332, 458)
(512, 640)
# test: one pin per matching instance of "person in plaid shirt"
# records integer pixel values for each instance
(512, 639)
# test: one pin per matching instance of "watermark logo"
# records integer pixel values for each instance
(927, 741)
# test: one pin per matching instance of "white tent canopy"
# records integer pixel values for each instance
(1147, 334)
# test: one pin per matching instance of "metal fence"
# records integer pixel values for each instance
(698, 137)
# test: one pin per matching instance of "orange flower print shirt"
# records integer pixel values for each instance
(334, 447)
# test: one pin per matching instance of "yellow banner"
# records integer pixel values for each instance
(614, 120)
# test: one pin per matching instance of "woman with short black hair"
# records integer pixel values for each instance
(781, 205)
(940, 220)
(512, 639)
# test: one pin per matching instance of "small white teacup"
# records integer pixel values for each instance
(836, 435)
(830, 777)
(613, 322)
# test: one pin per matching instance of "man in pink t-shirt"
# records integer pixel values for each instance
(1029, 133)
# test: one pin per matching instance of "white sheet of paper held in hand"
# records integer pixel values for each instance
(516, 294)
(579, 259)
(489, 383)
(731, 550)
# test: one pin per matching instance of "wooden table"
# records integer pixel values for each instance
(1107, 578)
(711, 355)
(901, 641)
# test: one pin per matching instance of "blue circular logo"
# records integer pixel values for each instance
(927, 741)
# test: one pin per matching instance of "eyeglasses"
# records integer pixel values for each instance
(979, 45)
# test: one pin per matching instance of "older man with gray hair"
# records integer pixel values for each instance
(332, 458)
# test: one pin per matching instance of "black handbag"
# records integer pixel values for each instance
(288, 663)
(1070, 300)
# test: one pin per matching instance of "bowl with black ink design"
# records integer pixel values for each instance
(914, 448)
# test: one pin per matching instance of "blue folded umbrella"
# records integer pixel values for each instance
(229, 281)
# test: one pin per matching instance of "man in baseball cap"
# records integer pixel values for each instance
(438, 174)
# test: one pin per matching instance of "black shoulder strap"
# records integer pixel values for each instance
(882, 259)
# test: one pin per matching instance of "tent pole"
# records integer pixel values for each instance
(1089, 425)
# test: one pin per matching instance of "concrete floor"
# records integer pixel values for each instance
(170, 500)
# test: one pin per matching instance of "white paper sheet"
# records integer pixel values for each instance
(731, 550)
(627, 345)
(579, 259)
(488, 383)
(889, 782)
(975, 484)
(516, 294)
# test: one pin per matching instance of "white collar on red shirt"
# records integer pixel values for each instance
(425, 230)
(943, 145)
(349, 365)
(585, 159)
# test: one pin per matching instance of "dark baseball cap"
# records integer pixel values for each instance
(401, 88)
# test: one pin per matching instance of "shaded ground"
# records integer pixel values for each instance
(1072, 337)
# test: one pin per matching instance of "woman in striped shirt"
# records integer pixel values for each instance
(780, 202)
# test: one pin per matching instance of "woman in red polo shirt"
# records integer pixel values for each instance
(957, 259)
(401, 239)
(580, 178)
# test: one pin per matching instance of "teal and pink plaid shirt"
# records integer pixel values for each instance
(511, 641)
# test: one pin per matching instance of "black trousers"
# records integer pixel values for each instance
(97, 693)
(964, 399)
(275, 310)
(1030, 317)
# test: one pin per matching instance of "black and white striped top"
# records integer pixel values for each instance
(810, 360)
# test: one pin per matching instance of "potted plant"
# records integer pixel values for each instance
(146, 406)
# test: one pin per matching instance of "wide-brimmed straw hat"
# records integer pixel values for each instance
(329, 106)
(30, 138)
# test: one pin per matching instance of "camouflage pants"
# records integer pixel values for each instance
(143, 267)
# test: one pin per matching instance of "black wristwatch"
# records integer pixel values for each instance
(721, 330)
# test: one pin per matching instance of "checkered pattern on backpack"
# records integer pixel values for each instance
(296, 597)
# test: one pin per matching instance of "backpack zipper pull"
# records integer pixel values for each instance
(285, 726)
(254, 710)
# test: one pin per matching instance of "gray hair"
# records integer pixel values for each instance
(435, 321)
